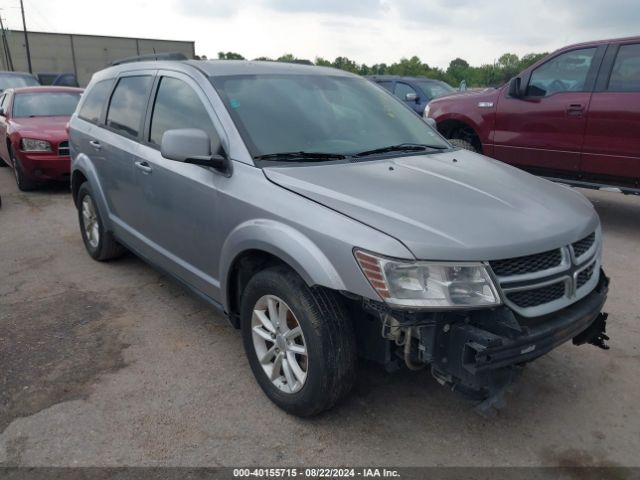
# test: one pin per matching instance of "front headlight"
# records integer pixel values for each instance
(429, 284)
(33, 145)
(425, 114)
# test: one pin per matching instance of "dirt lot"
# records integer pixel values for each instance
(114, 364)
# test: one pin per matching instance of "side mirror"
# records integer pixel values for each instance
(191, 145)
(411, 97)
(515, 88)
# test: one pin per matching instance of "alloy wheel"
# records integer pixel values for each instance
(279, 344)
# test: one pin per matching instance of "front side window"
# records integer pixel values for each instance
(317, 113)
(45, 104)
(177, 106)
(403, 89)
(565, 73)
(128, 104)
(625, 75)
(94, 101)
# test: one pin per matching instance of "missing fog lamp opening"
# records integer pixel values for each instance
(429, 284)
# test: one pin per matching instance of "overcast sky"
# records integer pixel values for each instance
(369, 31)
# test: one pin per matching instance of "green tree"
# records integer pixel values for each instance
(230, 56)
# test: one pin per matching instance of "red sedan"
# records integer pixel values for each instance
(33, 139)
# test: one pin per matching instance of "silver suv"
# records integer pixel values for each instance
(328, 221)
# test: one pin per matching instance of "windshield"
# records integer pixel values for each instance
(318, 113)
(17, 81)
(436, 89)
(45, 104)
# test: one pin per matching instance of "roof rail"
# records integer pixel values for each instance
(152, 56)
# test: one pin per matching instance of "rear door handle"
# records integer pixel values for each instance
(575, 109)
(95, 144)
(144, 167)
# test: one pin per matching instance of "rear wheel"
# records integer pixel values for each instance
(99, 243)
(22, 180)
(299, 341)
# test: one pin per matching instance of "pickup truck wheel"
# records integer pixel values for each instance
(299, 341)
(99, 243)
(458, 142)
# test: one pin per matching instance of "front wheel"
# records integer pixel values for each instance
(299, 341)
(24, 183)
(464, 144)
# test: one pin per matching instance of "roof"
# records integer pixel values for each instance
(245, 67)
(46, 89)
(401, 77)
(213, 68)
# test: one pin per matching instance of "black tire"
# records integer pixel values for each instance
(328, 335)
(24, 183)
(464, 144)
(106, 248)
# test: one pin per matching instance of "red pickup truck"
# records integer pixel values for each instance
(573, 117)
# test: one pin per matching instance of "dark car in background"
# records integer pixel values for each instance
(33, 137)
(574, 116)
(59, 79)
(416, 92)
(17, 80)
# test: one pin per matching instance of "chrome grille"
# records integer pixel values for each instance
(582, 246)
(537, 296)
(63, 149)
(527, 264)
(540, 284)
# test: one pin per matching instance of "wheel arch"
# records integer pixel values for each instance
(82, 170)
(460, 128)
(258, 244)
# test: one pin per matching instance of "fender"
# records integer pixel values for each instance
(83, 164)
(284, 242)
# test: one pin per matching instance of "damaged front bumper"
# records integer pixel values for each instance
(481, 352)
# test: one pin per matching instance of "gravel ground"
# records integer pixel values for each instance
(106, 364)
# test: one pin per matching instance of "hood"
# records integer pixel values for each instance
(44, 128)
(484, 93)
(454, 205)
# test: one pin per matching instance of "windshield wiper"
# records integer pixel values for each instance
(297, 156)
(402, 147)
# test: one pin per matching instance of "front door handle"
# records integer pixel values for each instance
(575, 109)
(95, 144)
(144, 167)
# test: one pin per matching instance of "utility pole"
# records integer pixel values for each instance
(5, 46)
(26, 37)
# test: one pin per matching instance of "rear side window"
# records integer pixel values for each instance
(178, 106)
(128, 104)
(565, 73)
(386, 84)
(94, 101)
(625, 75)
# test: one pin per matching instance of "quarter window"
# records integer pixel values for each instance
(128, 103)
(94, 101)
(625, 75)
(178, 106)
(565, 73)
